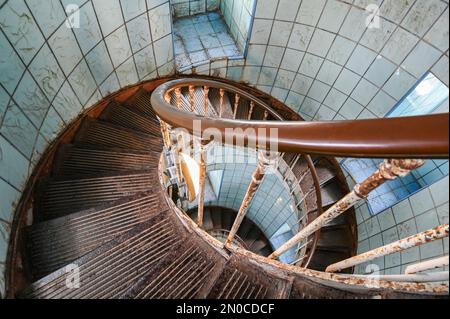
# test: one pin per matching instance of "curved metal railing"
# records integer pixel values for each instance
(406, 141)
(184, 97)
(407, 137)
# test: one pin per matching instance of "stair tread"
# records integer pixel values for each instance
(79, 161)
(141, 101)
(109, 270)
(104, 212)
(128, 117)
(62, 197)
(95, 132)
(182, 274)
(243, 281)
(55, 243)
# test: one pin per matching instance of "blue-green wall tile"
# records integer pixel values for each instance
(139, 32)
(18, 130)
(118, 46)
(13, 165)
(99, 62)
(66, 103)
(133, 8)
(31, 99)
(47, 72)
(82, 82)
(65, 47)
(11, 68)
(21, 29)
(145, 61)
(49, 14)
(88, 34)
(109, 15)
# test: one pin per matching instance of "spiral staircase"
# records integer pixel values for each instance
(100, 205)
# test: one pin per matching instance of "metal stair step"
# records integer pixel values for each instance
(141, 101)
(129, 118)
(81, 161)
(60, 198)
(56, 243)
(109, 270)
(240, 280)
(183, 274)
(335, 237)
(94, 132)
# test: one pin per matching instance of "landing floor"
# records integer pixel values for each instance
(202, 38)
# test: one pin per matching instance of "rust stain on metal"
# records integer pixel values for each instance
(265, 161)
(206, 93)
(178, 94)
(222, 95)
(398, 246)
(236, 104)
(201, 197)
(345, 281)
(252, 108)
(389, 170)
(192, 97)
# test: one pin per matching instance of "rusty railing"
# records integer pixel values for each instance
(406, 142)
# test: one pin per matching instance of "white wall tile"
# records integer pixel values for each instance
(421, 58)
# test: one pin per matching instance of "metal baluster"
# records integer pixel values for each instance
(222, 94)
(166, 134)
(178, 94)
(237, 98)
(266, 160)
(252, 107)
(389, 170)
(201, 196)
(206, 92)
(420, 239)
(167, 97)
(192, 97)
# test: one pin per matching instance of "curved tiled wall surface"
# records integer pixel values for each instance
(50, 72)
(273, 205)
(320, 58)
(317, 56)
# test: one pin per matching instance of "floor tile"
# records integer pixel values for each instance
(201, 38)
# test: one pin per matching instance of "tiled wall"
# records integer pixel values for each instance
(49, 73)
(271, 207)
(319, 57)
(239, 15)
(184, 8)
(422, 211)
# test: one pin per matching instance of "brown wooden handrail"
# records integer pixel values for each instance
(421, 137)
